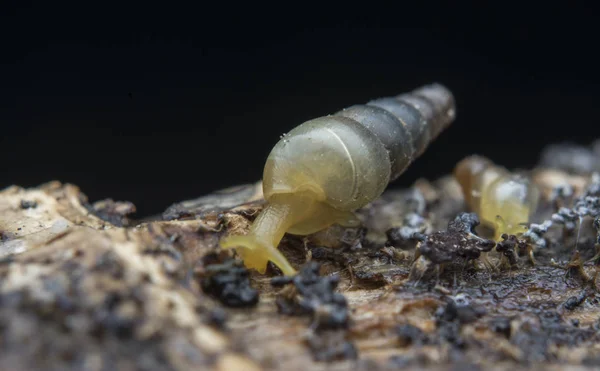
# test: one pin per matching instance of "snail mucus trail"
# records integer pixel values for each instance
(503, 200)
(325, 168)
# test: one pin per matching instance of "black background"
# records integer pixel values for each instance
(159, 103)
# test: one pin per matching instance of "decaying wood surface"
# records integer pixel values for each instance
(84, 287)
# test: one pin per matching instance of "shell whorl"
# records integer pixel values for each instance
(347, 159)
(407, 123)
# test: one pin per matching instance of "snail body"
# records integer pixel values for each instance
(325, 168)
(504, 201)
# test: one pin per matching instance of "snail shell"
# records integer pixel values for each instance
(325, 168)
(352, 155)
(504, 201)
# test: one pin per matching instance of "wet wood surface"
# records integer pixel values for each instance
(84, 287)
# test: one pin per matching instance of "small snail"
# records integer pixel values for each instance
(503, 200)
(324, 169)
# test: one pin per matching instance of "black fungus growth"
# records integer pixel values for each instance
(464, 222)
(535, 233)
(413, 227)
(458, 242)
(458, 311)
(27, 204)
(114, 212)
(411, 335)
(314, 295)
(331, 346)
(229, 282)
(575, 301)
(501, 325)
(509, 246)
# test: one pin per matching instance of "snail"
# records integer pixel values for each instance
(503, 200)
(325, 168)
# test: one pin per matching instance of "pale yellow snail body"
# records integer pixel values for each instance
(504, 201)
(324, 169)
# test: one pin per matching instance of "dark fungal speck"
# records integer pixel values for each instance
(229, 282)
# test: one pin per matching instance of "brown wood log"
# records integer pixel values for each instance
(84, 287)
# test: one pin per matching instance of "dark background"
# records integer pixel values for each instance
(156, 104)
